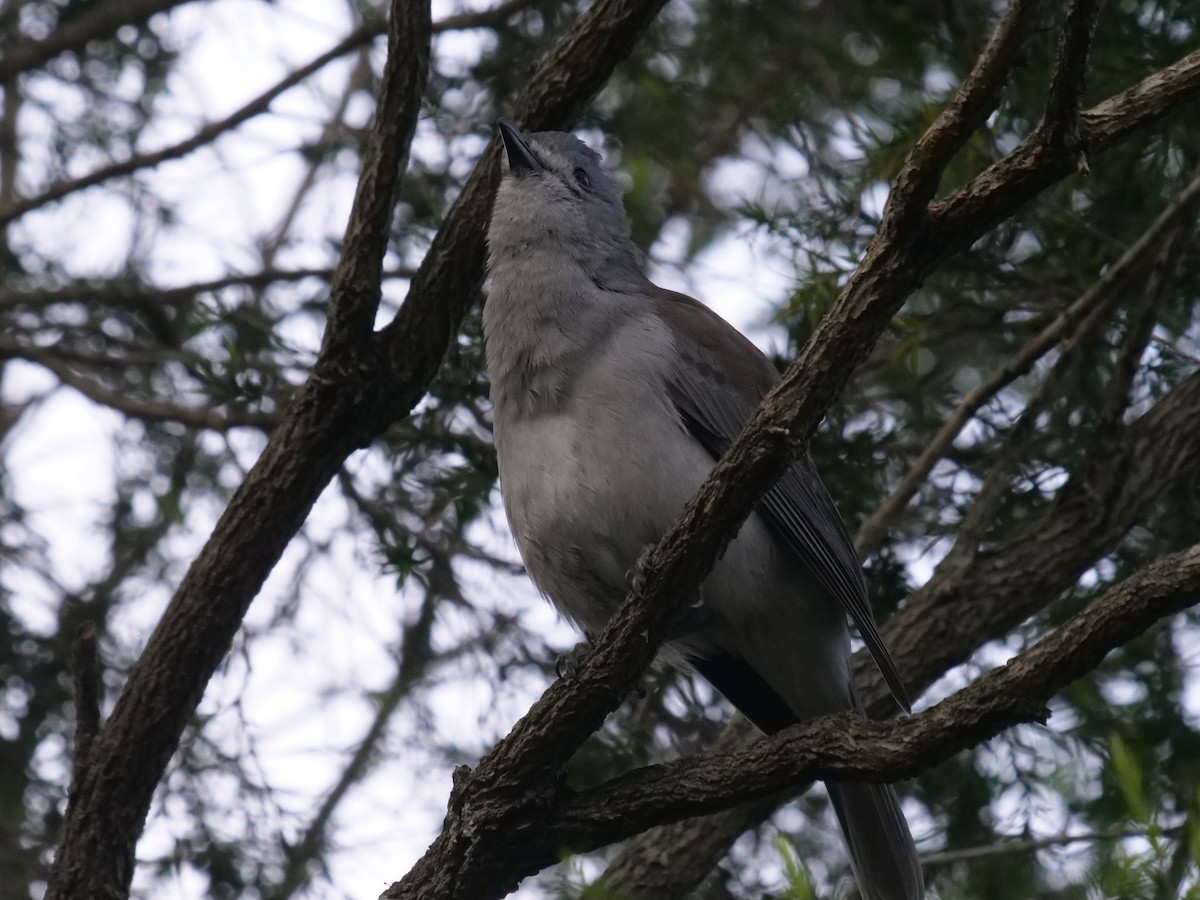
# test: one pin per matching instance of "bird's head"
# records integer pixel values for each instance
(556, 198)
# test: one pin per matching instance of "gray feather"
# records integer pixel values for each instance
(715, 403)
(611, 401)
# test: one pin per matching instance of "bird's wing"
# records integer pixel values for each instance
(721, 379)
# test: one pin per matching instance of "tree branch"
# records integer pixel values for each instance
(669, 862)
(370, 29)
(1060, 122)
(97, 23)
(151, 411)
(95, 856)
(142, 296)
(757, 458)
(484, 18)
(448, 280)
(1096, 300)
(1160, 285)
(1035, 164)
(361, 36)
(975, 100)
(848, 747)
(87, 697)
(355, 289)
(414, 657)
(1010, 847)
(943, 622)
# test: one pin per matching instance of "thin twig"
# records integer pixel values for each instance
(1094, 304)
(371, 28)
(151, 411)
(414, 658)
(1160, 286)
(1008, 848)
(484, 18)
(205, 135)
(982, 510)
(137, 294)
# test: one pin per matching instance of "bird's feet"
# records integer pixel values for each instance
(695, 615)
(567, 664)
(638, 576)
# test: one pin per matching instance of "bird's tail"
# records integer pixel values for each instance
(881, 847)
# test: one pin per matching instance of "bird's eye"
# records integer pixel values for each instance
(581, 178)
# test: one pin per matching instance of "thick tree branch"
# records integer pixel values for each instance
(968, 110)
(669, 862)
(87, 695)
(355, 291)
(95, 856)
(1002, 188)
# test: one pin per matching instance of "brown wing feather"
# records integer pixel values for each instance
(715, 402)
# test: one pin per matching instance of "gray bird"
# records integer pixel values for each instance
(612, 400)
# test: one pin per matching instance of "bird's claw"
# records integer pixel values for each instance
(638, 575)
(567, 664)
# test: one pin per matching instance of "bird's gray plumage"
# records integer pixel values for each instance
(612, 400)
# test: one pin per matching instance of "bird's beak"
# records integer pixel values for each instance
(521, 160)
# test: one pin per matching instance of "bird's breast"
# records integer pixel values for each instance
(589, 482)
